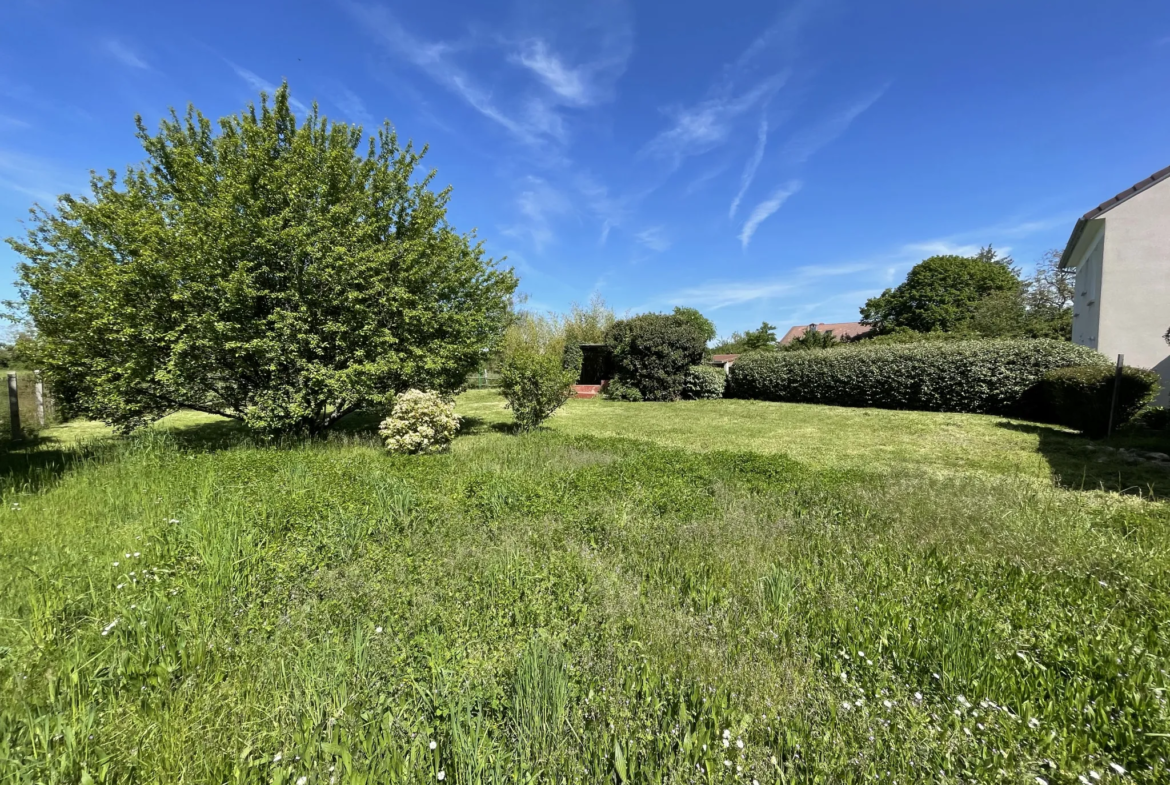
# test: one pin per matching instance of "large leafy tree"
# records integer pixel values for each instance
(763, 338)
(269, 272)
(941, 293)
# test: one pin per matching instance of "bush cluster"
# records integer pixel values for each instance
(419, 422)
(653, 351)
(1153, 418)
(535, 384)
(997, 376)
(617, 390)
(1081, 396)
(704, 382)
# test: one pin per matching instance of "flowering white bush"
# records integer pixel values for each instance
(420, 422)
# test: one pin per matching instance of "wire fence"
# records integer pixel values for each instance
(483, 379)
(30, 405)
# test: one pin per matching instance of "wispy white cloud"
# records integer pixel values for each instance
(261, 85)
(538, 205)
(749, 170)
(700, 182)
(781, 37)
(571, 84)
(804, 145)
(39, 178)
(654, 238)
(532, 115)
(124, 54)
(765, 209)
(699, 128)
(354, 108)
(714, 295)
(13, 122)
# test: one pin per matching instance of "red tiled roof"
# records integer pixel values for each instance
(840, 330)
(724, 358)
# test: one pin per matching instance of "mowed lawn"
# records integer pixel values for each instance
(720, 591)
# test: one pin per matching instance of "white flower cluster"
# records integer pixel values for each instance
(420, 422)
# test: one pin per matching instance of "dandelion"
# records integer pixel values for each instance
(1117, 768)
(433, 744)
(442, 775)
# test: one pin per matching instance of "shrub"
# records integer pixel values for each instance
(653, 352)
(1080, 396)
(1152, 418)
(620, 391)
(535, 385)
(573, 358)
(704, 382)
(419, 422)
(962, 376)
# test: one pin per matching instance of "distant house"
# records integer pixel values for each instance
(1121, 252)
(843, 331)
(724, 361)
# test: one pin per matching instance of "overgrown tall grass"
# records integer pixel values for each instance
(571, 609)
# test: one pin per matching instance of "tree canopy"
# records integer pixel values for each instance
(941, 293)
(704, 326)
(761, 338)
(269, 272)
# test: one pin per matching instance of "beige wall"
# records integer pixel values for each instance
(1134, 305)
(1087, 294)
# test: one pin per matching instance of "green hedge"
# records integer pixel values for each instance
(991, 376)
(1080, 396)
(704, 382)
(653, 351)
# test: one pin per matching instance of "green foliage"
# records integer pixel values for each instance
(955, 376)
(589, 323)
(1152, 418)
(1080, 396)
(941, 293)
(19, 351)
(901, 335)
(704, 326)
(268, 272)
(812, 339)
(704, 382)
(763, 338)
(617, 390)
(653, 351)
(419, 422)
(572, 358)
(535, 384)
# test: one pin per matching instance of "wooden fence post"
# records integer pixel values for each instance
(13, 405)
(39, 387)
(1116, 389)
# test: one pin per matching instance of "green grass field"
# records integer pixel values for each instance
(720, 591)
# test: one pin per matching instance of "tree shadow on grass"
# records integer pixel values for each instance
(1080, 463)
(35, 462)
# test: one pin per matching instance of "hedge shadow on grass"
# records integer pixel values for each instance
(29, 465)
(1081, 464)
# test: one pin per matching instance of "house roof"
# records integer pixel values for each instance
(1106, 206)
(840, 330)
(724, 358)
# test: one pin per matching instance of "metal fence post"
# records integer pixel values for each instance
(13, 405)
(39, 389)
(1116, 389)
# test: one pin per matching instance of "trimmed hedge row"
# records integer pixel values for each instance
(997, 376)
(1080, 397)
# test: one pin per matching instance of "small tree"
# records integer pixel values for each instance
(763, 338)
(653, 352)
(268, 272)
(535, 384)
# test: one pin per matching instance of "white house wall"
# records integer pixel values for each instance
(1087, 295)
(1134, 311)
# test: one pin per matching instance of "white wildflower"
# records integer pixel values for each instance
(302, 780)
(739, 743)
(1042, 781)
(1117, 768)
(377, 630)
(442, 775)
(433, 744)
(727, 763)
(1033, 723)
(276, 758)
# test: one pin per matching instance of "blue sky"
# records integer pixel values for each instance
(757, 160)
